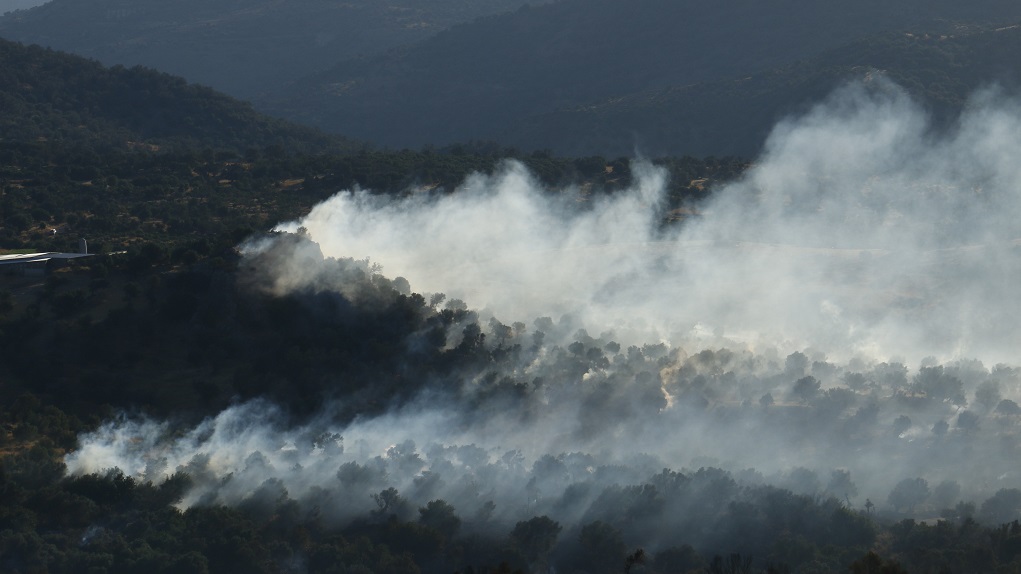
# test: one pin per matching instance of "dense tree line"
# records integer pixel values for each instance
(109, 522)
(126, 157)
(52, 193)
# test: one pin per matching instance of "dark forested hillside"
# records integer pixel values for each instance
(201, 201)
(242, 48)
(479, 80)
(734, 116)
(575, 76)
(130, 156)
(68, 100)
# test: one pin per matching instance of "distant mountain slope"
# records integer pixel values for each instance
(479, 80)
(734, 116)
(48, 95)
(12, 5)
(242, 47)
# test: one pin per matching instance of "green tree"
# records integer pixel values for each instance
(908, 494)
(1002, 507)
(806, 388)
(535, 537)
(440, 516)
(871, 563)
(602, 546)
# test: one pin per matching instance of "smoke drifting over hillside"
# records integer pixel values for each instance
(858, 231)
(820, 328)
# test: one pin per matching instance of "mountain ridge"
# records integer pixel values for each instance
(734, 116)
(242, 48)
(49, 95)
(483, 79)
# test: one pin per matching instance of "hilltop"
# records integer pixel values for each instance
(242, 48)
(735, 115)
(66, 99)
(482, 80)
(573, 76)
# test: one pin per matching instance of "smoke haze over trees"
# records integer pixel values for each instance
(861, 229)
(578, 385)
(469, 357)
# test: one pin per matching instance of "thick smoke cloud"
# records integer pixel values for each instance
(859, 231)
(837, 322)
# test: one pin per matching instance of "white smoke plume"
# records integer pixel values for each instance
(839, 309)
(858, 231)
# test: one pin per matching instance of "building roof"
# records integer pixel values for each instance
(39, 257)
